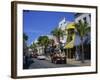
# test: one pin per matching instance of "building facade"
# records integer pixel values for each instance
(84, 17)
(62, 25)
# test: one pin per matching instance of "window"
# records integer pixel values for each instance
(79, 21)
(85, 21)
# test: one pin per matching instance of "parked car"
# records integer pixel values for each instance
(41, 57)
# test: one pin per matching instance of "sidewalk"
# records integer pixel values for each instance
(78, 62)
(75, 62)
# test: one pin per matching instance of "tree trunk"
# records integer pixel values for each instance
(45, 52)
(82, 54)
(66, 54)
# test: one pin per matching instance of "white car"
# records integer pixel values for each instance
(41, 57)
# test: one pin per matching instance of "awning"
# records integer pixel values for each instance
(70, 26)
(71, 43)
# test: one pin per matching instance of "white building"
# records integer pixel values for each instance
(84, 17)
(62, 25)
(40, 50)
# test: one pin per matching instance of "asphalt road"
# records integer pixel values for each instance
(47, 64)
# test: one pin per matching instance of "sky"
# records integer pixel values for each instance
(37, 23)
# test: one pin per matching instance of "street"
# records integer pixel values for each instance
(47, 64)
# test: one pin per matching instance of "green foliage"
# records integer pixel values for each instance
(57, 32)
(82, 28)
(43, 40)
(33, 46)
(25, 37)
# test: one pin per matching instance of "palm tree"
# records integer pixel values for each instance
(58, 33)
(33, 46)
(82, 30)
(43, 41)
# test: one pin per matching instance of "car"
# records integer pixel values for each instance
(41, 57)
(58, 59)
(34, 55)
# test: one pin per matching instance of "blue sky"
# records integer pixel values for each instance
(36, 23)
